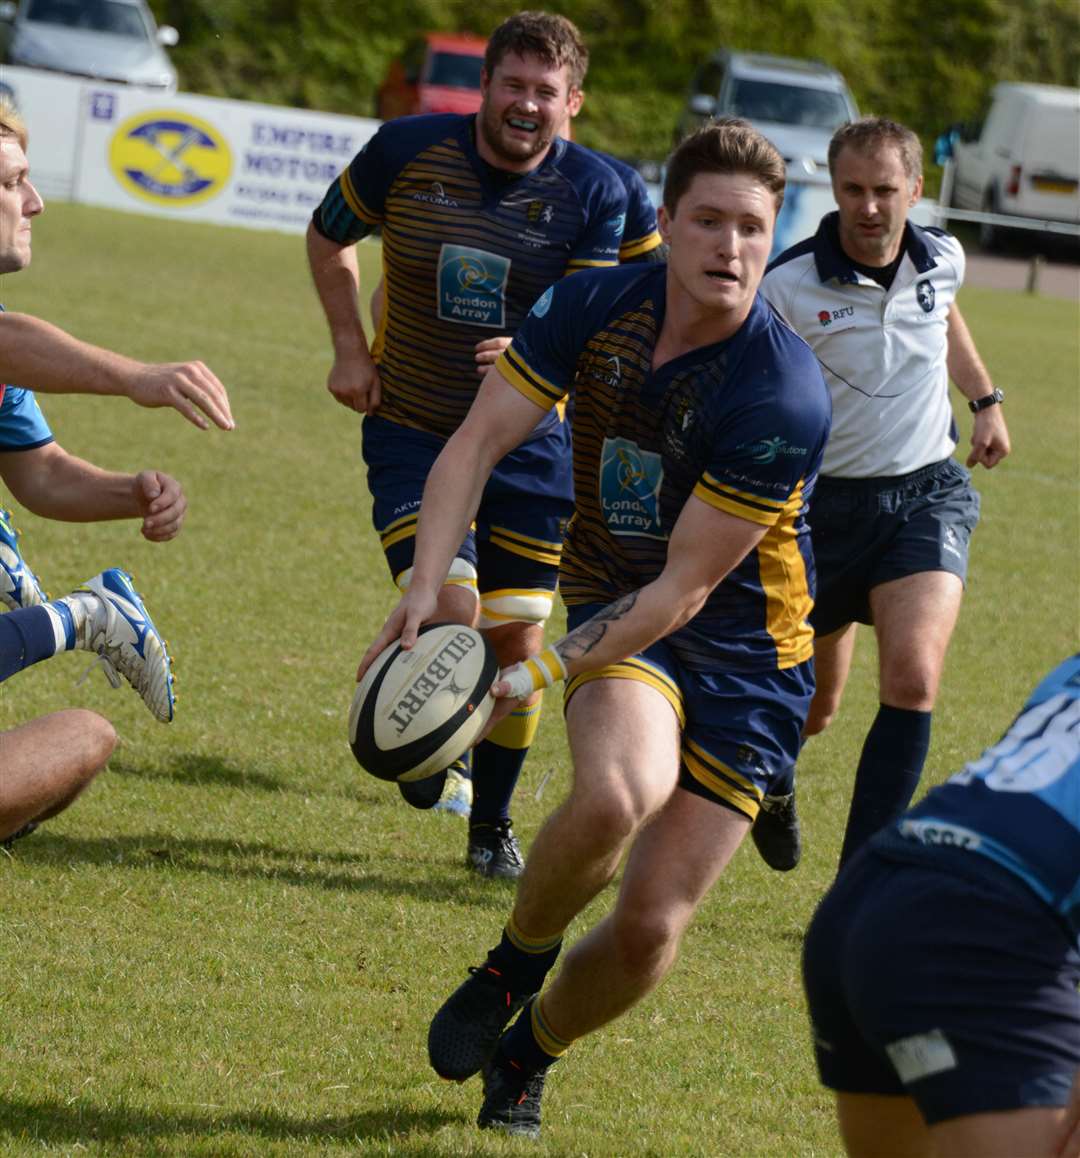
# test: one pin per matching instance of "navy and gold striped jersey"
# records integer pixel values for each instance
(641, 240)
(467, 249)
(741, 424)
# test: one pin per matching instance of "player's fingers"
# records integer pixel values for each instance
(212, 397)
(381, 643)
(374, 398)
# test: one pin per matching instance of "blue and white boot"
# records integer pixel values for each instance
(107, 616)
(19, 586)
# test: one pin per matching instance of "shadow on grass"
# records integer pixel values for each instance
(54, 1121)
(191, 768)
(358, 872)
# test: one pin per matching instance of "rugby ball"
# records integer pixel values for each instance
(417, 711)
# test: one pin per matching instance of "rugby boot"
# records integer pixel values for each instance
(108, 617)
(511, 1098)
(494, 850)
(777, 834)
(464, 1033)
(19, 586)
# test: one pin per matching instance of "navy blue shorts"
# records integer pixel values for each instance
(512, 552)
(866, 532)
(949, 982)
(740, 730)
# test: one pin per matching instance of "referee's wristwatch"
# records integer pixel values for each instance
(994, 398)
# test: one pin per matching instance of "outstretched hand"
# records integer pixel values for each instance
(190, 387)
(403, 623)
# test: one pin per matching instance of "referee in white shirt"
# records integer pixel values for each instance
(891, 519)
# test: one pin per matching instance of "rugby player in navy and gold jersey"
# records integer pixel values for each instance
(479, 215)
(700, 423)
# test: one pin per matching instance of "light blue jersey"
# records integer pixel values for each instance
(1019, 804)
(22, 424)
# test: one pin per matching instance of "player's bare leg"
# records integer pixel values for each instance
(624, 737)
(624, 740)
(914, 618)
(877, 1126)
(674, 862)
(1033, 1132)
(832, 664)
(48, 762)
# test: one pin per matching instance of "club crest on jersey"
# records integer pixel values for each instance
(472, 286)
(924, 293)
(630, 481)
(539, 211)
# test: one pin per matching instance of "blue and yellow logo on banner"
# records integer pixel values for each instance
(170, 158)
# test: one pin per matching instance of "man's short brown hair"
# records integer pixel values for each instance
(726, 145)
(11, 124)
(552, 38)
(870, 135)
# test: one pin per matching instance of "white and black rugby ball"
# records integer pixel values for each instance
(417, 711)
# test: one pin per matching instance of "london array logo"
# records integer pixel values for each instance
(630, 481)
(169, 158)
(924, 293)
(472, 286)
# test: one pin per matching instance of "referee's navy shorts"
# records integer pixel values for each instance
(948, 982)
(866, 532)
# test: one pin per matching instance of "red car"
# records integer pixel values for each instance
(437, 73)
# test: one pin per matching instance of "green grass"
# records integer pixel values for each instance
(232, 945)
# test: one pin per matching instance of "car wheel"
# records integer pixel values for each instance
(989, 235)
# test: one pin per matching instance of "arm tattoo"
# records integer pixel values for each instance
(583, 639)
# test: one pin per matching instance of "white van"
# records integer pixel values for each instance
(1025, 161)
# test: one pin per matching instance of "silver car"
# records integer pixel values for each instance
(797, 104)
(111, 40)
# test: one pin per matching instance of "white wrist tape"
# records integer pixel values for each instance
(534, 674)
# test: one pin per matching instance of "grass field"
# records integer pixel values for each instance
(233, 944)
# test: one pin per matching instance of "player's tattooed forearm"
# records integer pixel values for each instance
(583, 639)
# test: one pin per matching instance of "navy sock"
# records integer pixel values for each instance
(523, 971)
(495, 772)
(519, 1047)
(26, 637)
(888, 774)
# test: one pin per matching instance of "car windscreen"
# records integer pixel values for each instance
(116, 19)
(787, 104)
(455, 70)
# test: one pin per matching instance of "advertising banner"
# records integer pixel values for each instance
(204, 159)
(49, 104)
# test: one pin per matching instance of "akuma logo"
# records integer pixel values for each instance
(169, 158)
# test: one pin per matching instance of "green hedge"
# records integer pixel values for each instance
(926, 64)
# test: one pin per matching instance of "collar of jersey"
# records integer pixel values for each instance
(833, 262)
(496, 181)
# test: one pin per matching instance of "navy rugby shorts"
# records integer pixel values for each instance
(740, 730)
(516, 541)
(866, 532)
(949, 982)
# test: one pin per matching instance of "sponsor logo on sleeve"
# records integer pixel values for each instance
(472, 286)
(543, 303)
(630, 481)
(767, 450)
(169, 158)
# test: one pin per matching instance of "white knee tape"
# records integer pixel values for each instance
(497, 607)
(461, 574)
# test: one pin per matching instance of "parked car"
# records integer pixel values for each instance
(113, 40)
(797, 104)
(437, 73)
(1023, 159)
